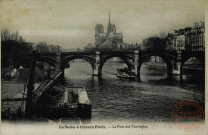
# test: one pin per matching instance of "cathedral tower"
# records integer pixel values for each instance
(111, 27)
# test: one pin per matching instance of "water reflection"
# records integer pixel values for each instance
(148, 100)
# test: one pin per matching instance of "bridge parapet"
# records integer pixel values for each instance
(133, 58)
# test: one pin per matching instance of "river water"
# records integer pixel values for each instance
(150, 99)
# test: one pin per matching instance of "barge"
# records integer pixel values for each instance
(74, 102)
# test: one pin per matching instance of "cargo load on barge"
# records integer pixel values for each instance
(70, 102)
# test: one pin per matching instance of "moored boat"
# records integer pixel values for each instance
(125, 74)
(74, 103)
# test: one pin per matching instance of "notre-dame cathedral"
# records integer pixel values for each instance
(109, 39)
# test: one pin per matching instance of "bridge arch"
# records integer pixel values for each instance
(89, 59)
(125, 58)
(165, 57)
(198, 57)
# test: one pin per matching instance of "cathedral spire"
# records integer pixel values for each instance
(109, 18)
(109, 25)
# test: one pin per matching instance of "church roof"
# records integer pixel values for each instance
(106, 44)
(111, 35)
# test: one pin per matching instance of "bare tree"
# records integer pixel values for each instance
(5, 35)
(15, 36)
(21, 40)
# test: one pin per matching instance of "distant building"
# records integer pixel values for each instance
(180, 39)
(169, 42)
(42, 47)
(146, 44)
(195, 37)
(34, 46)
(53, 48)
(89, 46)
(190, 38)
(111, 39)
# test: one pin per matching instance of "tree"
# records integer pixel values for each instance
(154, 43)
(12, 45)
(5, 34)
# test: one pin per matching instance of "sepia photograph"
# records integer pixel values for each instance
(128, 67)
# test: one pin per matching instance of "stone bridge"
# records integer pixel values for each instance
(134, 59)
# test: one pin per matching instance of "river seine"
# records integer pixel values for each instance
(150, 99)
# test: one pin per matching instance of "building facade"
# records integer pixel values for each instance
(195, 38)
(53, 48)
(189, 39)
(42, 47)
(109, 39)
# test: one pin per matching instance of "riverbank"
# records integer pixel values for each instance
(21, 75)
(10, 90)
(13, 90)
(189, 66)
(13, 86)
(14, 96)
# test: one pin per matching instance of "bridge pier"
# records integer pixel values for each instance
(170, 73)
(58, 62)
(177, 69)
(136, 63)
(96, 68)
(137, 71)
(177, 66)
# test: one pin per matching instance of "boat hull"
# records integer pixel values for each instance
(74, 102)
(126, 77)
(80, 110)
(84, 110)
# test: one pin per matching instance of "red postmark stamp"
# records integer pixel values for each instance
(187, 115)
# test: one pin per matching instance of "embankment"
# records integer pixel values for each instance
(22, 74)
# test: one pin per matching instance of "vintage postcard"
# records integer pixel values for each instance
(103, 67)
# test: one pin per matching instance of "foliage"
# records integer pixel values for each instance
(12, 45)
(155, 42)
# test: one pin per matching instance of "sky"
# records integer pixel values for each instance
(71, 23)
